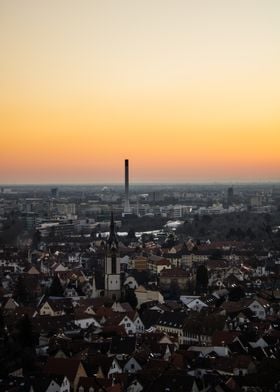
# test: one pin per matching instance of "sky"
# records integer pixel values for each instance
(187, 90)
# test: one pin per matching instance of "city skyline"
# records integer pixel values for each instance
(189, 91)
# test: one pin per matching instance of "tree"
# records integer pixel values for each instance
(26, 340)
(250, 234)
(207, 219)
(131, 235)
(25, 334)
(216, 254)
(2, 324)
(130, 297)
(20, 292)
(36, 239)
(170, 241)
(175, 291)
(236, 293)
(231, 233)
(201, 278)
(240, 234)
(56, 289)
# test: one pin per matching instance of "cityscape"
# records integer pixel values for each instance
(139, 196)
(140, 287)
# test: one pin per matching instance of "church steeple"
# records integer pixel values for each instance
(112, 240)
(112, 262)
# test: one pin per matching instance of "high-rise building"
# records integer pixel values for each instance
(230, 196)
(54, 193)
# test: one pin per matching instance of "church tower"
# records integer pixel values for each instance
(112, 263)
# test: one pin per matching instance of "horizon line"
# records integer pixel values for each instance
(135, 183)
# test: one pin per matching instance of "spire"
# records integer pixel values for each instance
(112, 224)
(112, 240)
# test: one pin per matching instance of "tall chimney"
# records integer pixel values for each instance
(126, 201)
(126, 168)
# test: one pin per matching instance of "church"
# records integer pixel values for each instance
(112, 282)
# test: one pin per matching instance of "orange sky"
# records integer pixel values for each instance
(187, 90)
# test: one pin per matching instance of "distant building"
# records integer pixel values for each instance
(256, 201)
(54, 193)
(176, 276)
(66, 208)
(230, 196)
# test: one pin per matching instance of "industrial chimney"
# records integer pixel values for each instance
(126, 200)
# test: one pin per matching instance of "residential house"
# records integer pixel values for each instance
(70, 368)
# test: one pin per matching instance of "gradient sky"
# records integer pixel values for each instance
(188, 90)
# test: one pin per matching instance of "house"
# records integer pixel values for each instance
(50, 384)
(176, 276)
(172, 322)
(193, 302)
(55, 307)
(130, 320)
(70, 368)
(147, 294)
(199, 328)
(140, 263)
(33, 271)
(258, 307)
(10, 305)
(91, 384)
(135, 363)
(84, 320)
(116, 367)
(156, 264)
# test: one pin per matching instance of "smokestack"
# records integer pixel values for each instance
(126, 174)
(126, 169)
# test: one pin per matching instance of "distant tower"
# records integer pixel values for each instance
(127, 209)
(54, 193)
(112, 263)
(230, 196)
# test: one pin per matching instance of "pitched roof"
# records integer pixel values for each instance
(63, 366)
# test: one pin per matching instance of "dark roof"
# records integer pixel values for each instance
(96, 361)
(53, 324)
(204, 324)
(150, 318)
(123, 344)
(172, 319)
(164, 380)
(42, 383)
(62, 366)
